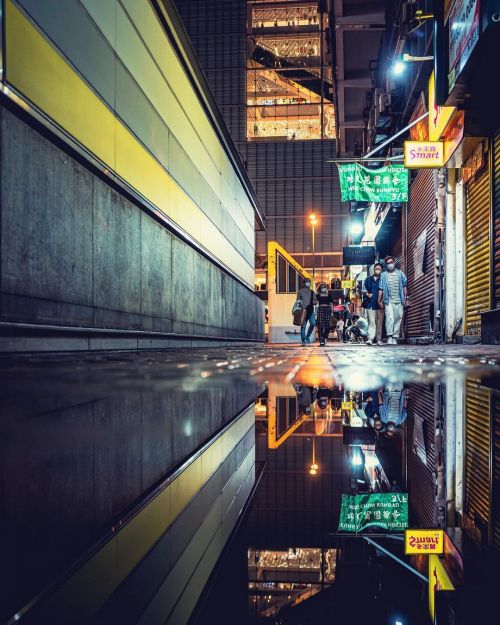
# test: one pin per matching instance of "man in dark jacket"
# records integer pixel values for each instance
(308, 299)
(374, 311)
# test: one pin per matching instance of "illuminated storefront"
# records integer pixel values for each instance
(289, 88)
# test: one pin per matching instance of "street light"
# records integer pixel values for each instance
(313, 470)
(398, 68)
(399, 65)
(313, 220)
(356, 228)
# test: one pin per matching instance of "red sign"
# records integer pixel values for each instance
(473, 164)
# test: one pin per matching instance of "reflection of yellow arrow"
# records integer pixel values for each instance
(272, 441)
(279, 390)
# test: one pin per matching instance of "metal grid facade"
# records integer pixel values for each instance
(291, 178)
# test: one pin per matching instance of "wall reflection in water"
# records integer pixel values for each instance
(127, 492)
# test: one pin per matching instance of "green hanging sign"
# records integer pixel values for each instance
(387, 184)
(389, 511)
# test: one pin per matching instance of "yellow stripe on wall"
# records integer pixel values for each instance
(91, 585)
(40, 73)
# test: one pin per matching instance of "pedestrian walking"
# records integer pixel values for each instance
(308, 298)
(340, 329)
(374, 312)
(325, 309)
(393, 298)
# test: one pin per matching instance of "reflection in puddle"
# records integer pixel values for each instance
(279, 579)
(232, 470)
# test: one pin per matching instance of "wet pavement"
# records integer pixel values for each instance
(90, 443)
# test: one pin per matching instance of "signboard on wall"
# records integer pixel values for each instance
(424, 154)
(438, 580)
(386, 184)
(388, 511)
(463, 24)
(347, 284)
(453, 134)
(439, 116)
(358, 255)
(424, 541)
(420, 131)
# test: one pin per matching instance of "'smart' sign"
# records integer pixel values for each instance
(424, 154)
(424, 542)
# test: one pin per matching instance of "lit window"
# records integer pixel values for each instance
(289, 90)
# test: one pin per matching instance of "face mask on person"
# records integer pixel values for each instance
(377, 271)
(390, 266)
(323, 290)
(307, 283)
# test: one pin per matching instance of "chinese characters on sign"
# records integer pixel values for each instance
(473, 164)
(424, 154)
(387, 184)
(389, 511)
(424, 541)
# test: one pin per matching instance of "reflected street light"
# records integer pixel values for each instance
(313, 220)
(313, 470)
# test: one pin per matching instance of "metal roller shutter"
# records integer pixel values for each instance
(422, 474)
(496, 215)
(496, 470)
(477, 455)
(477, 252)
(421, 216)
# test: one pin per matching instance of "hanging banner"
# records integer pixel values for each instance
(422, 154)
(389, 511)
(386, 184)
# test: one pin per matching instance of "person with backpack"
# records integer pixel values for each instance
(374, 311)
(308, 299)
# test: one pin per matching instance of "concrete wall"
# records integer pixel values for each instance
(75, 252)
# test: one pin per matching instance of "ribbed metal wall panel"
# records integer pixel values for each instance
(421, 216)
(422, 487)
(496, 215)
(477, 252)
(477, 500)
(397, 252)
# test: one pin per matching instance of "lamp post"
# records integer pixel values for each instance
(313, 220)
